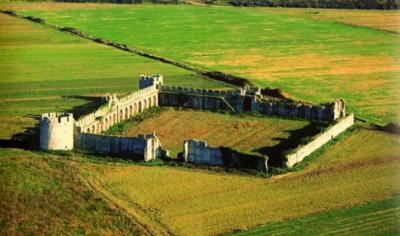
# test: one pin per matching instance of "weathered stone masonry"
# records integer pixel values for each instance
(62, 132)
(146, 146)
(247, 99)
(199, 152)
(320, 140)
(57, 131)
(85, 132)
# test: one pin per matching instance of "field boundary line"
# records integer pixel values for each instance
(366, 27)
(227, 79)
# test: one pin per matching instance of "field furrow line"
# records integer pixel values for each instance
(361, 221)
(363, 227)
(147, 224)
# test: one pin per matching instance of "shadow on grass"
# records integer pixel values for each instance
(93, 103)
(30, 137)
(389, 128)
(276, 153)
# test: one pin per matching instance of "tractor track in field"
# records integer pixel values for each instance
(134, 211)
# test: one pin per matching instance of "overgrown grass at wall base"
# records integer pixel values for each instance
(320, 151)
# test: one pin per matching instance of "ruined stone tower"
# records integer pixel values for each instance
(57, 131)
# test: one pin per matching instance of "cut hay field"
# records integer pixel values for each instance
(243, 133)
(189, 202)
(44, 70)
(315, 57)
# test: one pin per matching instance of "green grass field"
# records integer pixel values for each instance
(354, 183)
(381, 217)
(308, 55)
(44, 70)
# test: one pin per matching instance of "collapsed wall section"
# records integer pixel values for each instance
(198, 152)
(323, 138)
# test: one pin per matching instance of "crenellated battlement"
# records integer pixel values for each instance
(57, 129)
(57, 117)
(117, 109)
(135, 95)
(197, 91)
(150, 80)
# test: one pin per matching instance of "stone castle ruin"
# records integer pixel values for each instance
(62, 132)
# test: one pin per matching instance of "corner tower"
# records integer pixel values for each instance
(57, 131)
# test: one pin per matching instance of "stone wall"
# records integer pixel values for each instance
(329, 112)
(246, 99)
(198, 152)
(194, 101)
(57, 130)
(320, 140)
(147, 146)
(198, 91)
(116, 110)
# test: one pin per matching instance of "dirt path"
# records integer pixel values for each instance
(135, 212)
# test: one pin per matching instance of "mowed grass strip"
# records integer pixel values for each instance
(243, 133)
(380, 217)
(48, 71)
(202, 203)
(310, 56)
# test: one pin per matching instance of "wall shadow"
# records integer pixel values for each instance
(28, 139)
(276, 153)
(93, 103)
